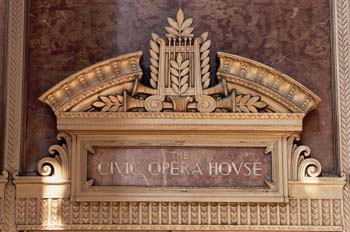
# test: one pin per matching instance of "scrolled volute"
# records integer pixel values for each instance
(301, 166)
(57, 166)
(309, 168)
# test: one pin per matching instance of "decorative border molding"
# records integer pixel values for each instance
(143, 115)
(296, 215)
(341, 38)
(15, 66)
(14, 109)
(266, 80)
(275, 190)
(96, 78)
(220, 228)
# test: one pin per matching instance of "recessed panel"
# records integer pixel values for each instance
(233, 167)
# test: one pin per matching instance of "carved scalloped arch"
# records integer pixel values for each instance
(77, 91)
(282, 93)
(244, 76)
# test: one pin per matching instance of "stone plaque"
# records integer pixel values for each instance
(180, 166)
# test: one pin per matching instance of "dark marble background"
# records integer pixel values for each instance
(292, 36)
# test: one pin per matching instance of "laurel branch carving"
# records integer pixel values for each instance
(15, 61)
(9, 208)
(342, 38)
(249, 104)
(179, 81)
(181, 27)
(266, 81)
(179, 74)
(109, 103)
(15, 74)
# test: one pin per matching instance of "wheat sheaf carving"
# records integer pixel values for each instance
(181, 27)
(154, 60)
(109, 103)
(249, 104)
(180, 80)
(179, 74)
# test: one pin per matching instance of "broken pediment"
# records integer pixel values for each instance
(180, 81)
(253, 109)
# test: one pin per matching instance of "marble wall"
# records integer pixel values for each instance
(292, 36)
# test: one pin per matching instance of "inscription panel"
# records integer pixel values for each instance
(179, 166)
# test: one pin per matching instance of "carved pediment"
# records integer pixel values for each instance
(246, 104)
(180, 81)
(110, 110)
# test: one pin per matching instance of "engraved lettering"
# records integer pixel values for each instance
(197, 169)
(100, 168)
(116, 165)
(184, 168)
(212, 167)
(186, 155)
(237, 171)
(225, 171)
(257, 169)
(154, 171)
(247, 166)
(227, 167)
(165, 166)
(180, 155)
(174, 168)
